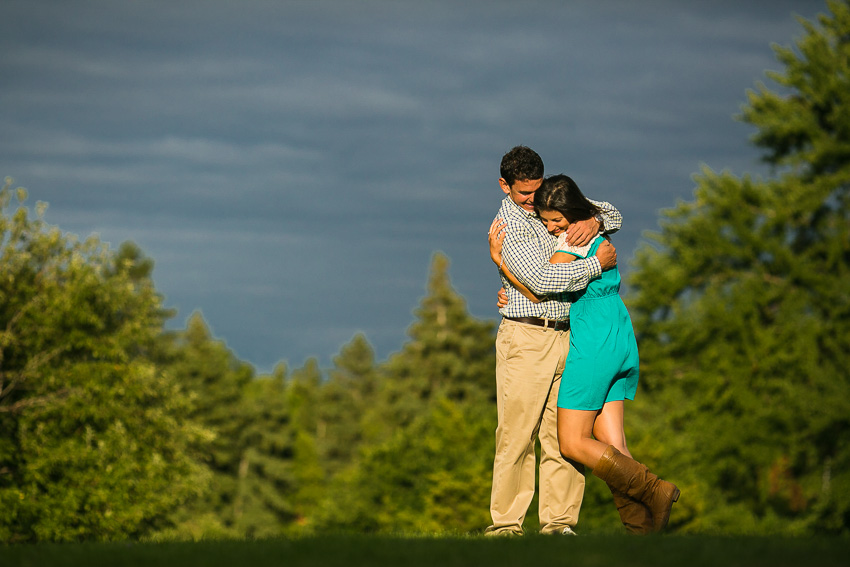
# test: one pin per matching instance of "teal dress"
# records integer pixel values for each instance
(602, 365)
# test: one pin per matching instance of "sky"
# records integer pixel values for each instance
(292, 167)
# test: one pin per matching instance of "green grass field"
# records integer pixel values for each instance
(354, 551)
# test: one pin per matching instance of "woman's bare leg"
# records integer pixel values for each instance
(608, 427)
(575, 429)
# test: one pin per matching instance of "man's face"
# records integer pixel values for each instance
(522, 192)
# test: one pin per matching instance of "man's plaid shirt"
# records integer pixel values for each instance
(526, 252)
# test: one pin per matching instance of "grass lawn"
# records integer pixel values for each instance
(354, 551)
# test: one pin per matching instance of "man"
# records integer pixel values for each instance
(531, 348)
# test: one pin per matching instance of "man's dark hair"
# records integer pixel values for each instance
(521, 164)
(560, 193)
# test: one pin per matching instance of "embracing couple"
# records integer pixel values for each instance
(566, 358)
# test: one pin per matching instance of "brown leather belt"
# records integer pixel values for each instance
(552, 324)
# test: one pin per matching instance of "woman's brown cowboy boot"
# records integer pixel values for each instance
(634, 515)
(634, 480)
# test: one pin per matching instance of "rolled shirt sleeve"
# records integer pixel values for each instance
(612, 220)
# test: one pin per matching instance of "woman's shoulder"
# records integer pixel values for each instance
(581, 251)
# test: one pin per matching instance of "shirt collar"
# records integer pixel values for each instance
(517, 209)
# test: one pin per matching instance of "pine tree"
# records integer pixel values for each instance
(308, 474)
(426, 461)
(345, 402)
(265, 503)
(215, 379)
(743, 314)
(449, 354)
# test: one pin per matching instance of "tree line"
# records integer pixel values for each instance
(112, 427)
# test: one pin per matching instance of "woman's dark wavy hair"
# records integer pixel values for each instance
(560, 193)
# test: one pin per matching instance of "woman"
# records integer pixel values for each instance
(602, 367)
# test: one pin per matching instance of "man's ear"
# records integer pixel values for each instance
(504, 185)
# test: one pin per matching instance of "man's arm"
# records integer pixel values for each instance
(524, 257)
(612, 220)
(582, 232)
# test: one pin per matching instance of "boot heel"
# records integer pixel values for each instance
(676, 494)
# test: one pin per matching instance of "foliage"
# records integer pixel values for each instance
(114, 429)
(743, 314)
(450, 354)
(93, 434)
(215, 381)
(346, 405)
(309, 476)
(427, 456)
(265, 482)
(430, 477)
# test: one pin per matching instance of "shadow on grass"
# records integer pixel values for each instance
(441, 551)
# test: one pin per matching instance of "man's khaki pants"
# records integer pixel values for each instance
(529, 362)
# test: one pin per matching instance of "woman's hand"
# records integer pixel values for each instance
(501, 298)
(496, 237)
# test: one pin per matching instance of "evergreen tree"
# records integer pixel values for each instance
(449, 354)
(308, 473)
(430, 477)
(346, 401)
(94, 435)
(426, 461)
(743, 314)
(215, 379)
(264, 504)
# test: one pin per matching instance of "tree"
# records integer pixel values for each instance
(432, 476)
(425, 463)
(264, 504)
(450, 354)
(215, 380)
(346, 401)
(308, 474)
(94, 435)
(743, 315)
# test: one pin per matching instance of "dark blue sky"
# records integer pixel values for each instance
(292, 167)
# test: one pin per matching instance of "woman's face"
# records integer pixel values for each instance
(554, 221)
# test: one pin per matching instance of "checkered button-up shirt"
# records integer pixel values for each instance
(526, 252)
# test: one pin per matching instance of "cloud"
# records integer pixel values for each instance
(203, 151)
(293, 166)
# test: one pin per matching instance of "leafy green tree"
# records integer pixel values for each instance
(743, 314)
(432, 476)
(94, 435)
